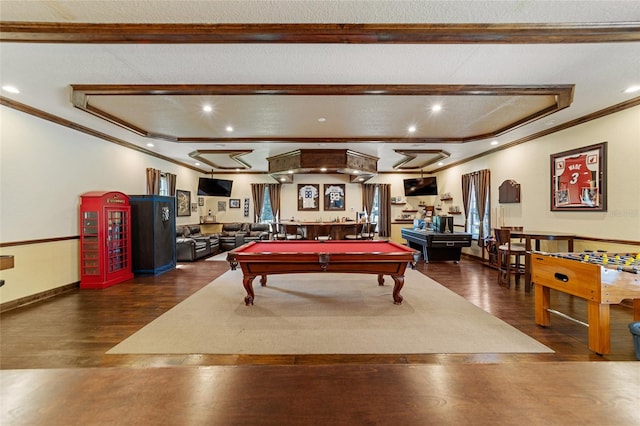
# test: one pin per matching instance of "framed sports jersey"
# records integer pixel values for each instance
(579, 179)
(308, 196)
(334, 196)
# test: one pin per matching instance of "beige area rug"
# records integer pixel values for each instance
(326, 314)
(219, 256)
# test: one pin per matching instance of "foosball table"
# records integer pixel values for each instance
(602, 279)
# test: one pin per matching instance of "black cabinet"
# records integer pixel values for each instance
(153, 220)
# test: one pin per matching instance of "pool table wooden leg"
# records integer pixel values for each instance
(263, 280)
(380, 279)
(399, 282)
(247, 282)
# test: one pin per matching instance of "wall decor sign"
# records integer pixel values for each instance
(334, 197)
(246, 207)
(183, 203)
(579, 179)
(308, 196)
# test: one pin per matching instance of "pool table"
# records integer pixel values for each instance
(296, 257)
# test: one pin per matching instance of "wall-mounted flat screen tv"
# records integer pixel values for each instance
(421, 186)
(214, 187)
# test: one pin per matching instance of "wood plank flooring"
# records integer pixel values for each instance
(54, 370)
(75, 329)
(336, 394)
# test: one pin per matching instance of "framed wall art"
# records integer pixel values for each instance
(183, 203)
(334, 197)
(308, 196)
(579, 179)
(234, 203)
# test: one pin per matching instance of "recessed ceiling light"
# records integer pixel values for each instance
(411, 129)
(632, 89)
(207, 108)
(290, 172)
(150, 145)
(440, 163)
(229, 129)
(197, 164)
(321, 120)
(323, 169)
(436, 108)
(494, 142)
(282, 179)
(10, 89)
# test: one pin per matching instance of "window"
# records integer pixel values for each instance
(473, 220)
(266, 215)
(375, 210)
(164, 186)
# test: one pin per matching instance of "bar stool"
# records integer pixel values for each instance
(277, 231)
(368, 231)
(352, 232)
(293, 232)
(511, 258)
(364, 231)
(323, 232)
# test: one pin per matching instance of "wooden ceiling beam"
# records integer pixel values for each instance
(538, 33)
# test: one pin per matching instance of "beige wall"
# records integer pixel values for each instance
(39, 268)
(529, 164)
(45, 167)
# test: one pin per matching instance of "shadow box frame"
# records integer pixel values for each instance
(333, 200)
(314, 194)
(581, 185)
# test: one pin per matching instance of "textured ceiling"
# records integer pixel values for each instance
(323, 11)
(598, 72)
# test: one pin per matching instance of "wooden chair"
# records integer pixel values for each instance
(511, 258)
(515, 228)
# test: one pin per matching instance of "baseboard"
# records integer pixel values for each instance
(38, 297)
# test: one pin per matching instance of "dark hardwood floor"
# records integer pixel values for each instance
(54, 370)
(75, 329)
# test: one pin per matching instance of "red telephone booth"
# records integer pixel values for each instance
(105, 239)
